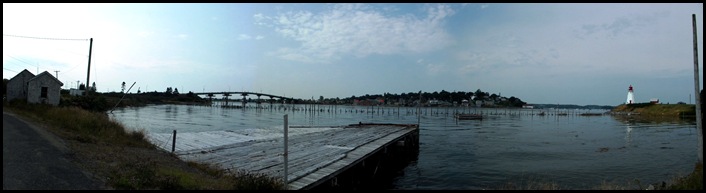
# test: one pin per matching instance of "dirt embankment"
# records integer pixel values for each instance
(657, 110)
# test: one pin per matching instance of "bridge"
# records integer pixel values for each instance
(210, 96)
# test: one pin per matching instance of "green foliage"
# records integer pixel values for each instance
(96, 103)
(104, 102)
(443, 95)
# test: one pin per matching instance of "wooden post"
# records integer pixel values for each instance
(174, 141)
(286, 127)
(88, 75)
(699, 127)
(419, 105)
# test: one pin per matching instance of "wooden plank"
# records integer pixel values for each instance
(315, 154)
(363, 151)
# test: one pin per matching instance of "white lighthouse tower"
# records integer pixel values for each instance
(631, 96)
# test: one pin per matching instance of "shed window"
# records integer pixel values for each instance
(44, 91)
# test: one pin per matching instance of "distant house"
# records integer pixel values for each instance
(17, 86)
(654, 101)
(464, 102)
(75, 92)
(43, 88)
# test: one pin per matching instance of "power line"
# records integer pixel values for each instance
(43, 38)
(22, 60)
(9, 70)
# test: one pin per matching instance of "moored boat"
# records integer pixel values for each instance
(464, 116)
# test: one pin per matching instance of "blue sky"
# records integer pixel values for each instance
(585, 54)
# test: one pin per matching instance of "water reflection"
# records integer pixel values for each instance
(473, 154)
(637, 119)
(628, 130)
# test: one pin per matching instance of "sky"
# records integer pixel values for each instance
(584, 54)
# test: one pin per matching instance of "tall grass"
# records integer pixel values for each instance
(125, 159)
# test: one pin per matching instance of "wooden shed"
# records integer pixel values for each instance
(44, 88)
(17, 86)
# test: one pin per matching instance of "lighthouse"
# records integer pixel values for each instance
(631, 96)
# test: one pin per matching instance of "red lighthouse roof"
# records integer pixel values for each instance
(630, 89)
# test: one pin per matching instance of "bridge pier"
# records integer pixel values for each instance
(226, 95)
(210, 98)
(271, 103)
(244, 99)
(258, 101)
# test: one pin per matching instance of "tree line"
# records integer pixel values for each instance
(412, 98)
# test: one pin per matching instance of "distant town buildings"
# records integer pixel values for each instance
(369, 102)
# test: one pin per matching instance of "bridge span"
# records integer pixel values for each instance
(225, 95)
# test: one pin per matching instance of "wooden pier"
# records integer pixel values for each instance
(317, 156)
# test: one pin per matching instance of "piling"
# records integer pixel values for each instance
(174, 141)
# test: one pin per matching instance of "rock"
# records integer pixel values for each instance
(651, 187)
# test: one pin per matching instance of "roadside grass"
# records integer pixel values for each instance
(126, 159)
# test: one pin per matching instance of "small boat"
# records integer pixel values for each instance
(591, 114)
(464, 116)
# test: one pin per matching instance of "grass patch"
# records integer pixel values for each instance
(658, 110)
(125, 159)
(693, 181)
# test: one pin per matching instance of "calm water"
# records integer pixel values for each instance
(510, 146)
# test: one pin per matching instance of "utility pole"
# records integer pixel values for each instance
(699, 127)
(88, 75)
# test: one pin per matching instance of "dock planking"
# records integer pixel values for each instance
(316, 154)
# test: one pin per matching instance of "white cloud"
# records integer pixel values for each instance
(621, 26)
(145, 33)
(248, 37)
(360, 30)
(291, 54)
(244, 37)
(181, 36)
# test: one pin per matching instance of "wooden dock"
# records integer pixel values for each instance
(316, 154)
